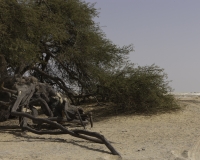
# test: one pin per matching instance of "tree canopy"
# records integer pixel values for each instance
(59, 43)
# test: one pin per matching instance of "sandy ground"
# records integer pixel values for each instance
(169, 136)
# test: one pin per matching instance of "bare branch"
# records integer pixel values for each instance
(8, 90)
(5, 103)
(28, 95)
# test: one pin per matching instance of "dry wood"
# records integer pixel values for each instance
(29, 93)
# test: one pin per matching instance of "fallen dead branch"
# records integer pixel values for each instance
(28, 92)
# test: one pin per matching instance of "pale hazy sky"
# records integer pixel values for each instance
(164, 32)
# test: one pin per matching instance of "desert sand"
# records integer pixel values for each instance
(168, 136)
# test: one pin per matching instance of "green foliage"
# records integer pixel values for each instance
(16, 41)
(63, 28)
(139, 89)
(58, 42)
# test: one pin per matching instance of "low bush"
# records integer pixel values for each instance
(139, 89)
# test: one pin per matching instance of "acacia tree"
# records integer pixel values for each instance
(56, 41)
(59, 43)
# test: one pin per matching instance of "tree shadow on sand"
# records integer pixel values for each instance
(17, 132)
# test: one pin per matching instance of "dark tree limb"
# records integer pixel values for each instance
(25, 93)
(76, 133)
(79, 116)
(43, 104)
(5, 103)
(67, 70)
(94, 137)
(8, 90)
(58, 81)
(99, 136)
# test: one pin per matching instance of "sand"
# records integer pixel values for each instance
(169, 136)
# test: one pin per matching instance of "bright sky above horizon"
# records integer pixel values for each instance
(163, 32)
